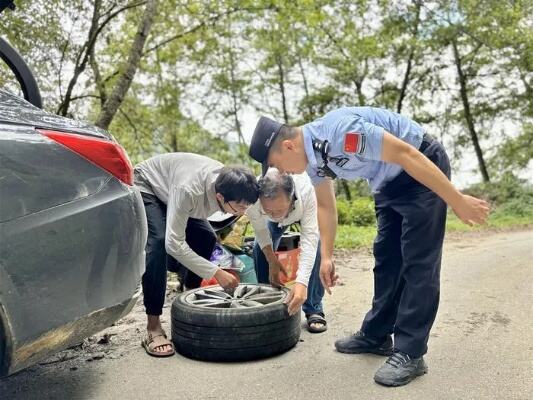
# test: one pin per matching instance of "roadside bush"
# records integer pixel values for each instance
(358, 212)
(509, 196)
(509, 188)
(520, 207)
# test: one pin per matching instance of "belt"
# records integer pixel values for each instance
(427, 139)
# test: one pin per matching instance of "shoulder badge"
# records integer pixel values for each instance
(354, 143)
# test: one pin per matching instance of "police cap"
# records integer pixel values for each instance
(265, 134)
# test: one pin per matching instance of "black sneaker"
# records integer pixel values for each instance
(360, 343)
(400, 369)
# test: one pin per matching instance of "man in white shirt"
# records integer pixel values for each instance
(284, 200)
(179, 191)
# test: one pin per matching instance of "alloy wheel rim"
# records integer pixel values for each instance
(244, 296)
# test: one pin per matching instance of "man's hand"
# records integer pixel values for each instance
(225, 279)
(296, 298)
(274, 268)
(328, 277)
(471, 210)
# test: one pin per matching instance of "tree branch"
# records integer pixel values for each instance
(124, 81)
(98, 78)
(203, 24)
(79, 67)
(86, 49)
(84, 96)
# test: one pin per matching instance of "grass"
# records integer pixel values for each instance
(353, 237)
(497, 220)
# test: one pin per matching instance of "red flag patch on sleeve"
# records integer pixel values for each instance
(352, 141)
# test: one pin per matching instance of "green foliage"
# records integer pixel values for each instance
(515, 153)
(512, 206)
(37, 31)
(504, 217)
(356, 188)
(508, 189)
(209, 67)
(358, 212)
(353, 237)
(497, 220)
(521, 207)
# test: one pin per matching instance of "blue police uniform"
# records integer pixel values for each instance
(355, 136)
(347, 143)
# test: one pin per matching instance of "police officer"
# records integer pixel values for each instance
(408, 172)
(284, 200)
(179, 191)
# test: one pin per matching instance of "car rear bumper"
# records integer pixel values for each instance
(68, 335)
(78, 273)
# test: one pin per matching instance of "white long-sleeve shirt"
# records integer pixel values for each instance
(305, 211)
(185, 182)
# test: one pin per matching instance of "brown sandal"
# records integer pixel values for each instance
(148, 344)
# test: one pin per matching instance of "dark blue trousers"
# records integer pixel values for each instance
(315, 290)
(411, 222)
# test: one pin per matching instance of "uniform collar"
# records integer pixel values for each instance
(308, 146)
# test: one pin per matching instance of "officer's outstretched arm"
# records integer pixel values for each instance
(469, 209)
(327, 224)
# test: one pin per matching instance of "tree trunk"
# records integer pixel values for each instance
(359, 89)
(97, 78)
(528, 94)
(282, 88)
(346, 189)
(468, 114)
(82, 59)
(306, 86)
(407, 75)
(88, 48)
(126, 77)
(406, 79)
(235, 108)
(174, 142)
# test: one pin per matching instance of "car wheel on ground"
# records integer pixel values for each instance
(212, 325)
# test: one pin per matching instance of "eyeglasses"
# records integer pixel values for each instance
(242, 209)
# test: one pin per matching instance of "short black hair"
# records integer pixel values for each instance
(237, 183)
(286, 132)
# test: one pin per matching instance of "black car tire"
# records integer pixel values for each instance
(232, 334)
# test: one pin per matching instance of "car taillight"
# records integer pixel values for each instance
(106, 154)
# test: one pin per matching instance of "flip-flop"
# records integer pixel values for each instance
(316, 319)
(148, 344)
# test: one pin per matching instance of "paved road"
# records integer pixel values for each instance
(481, 346)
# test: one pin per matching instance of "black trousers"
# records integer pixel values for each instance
(407, 250)
(199, 236)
